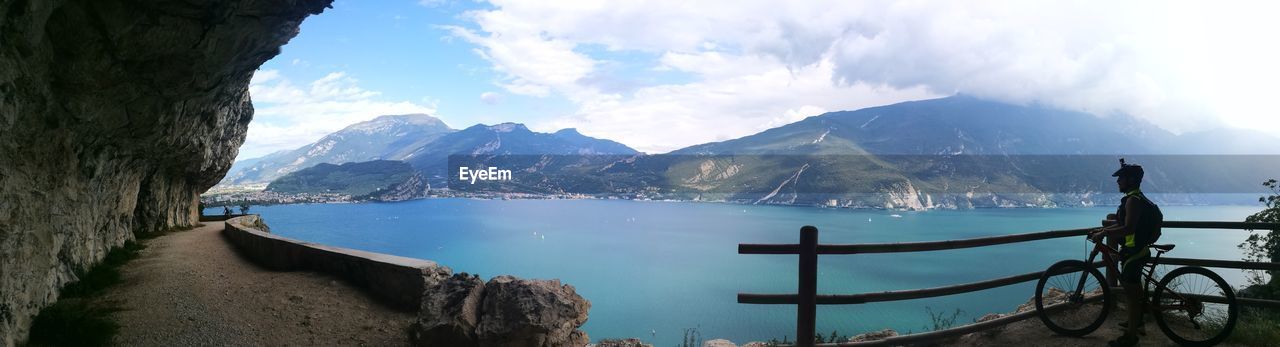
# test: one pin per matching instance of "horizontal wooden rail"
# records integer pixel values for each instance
(1212, 225)
(747, 248)
(862, 248)
(948, 244)
(1222, 300)
(862, 298)
(1258, 302)
(848, 299)
(1229, 264)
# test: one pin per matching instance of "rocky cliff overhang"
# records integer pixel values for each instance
(114, 116)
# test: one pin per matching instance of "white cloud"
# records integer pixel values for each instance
(662, 118)
(1183, 65)
(293, 116)
(432, 3)
(491, 98)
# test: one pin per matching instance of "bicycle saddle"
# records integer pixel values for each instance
(1163, 248)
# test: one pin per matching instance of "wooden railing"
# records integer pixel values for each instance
(807, 297)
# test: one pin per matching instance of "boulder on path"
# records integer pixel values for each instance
(450, 312)
(519, 312)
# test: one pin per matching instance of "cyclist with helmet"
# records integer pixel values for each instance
(1138, 222)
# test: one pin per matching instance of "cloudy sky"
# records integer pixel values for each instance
(660, 75)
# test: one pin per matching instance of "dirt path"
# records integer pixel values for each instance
(1032, 332)
(191, 288)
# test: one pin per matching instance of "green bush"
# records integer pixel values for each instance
(1264, 246)
(1256, 327)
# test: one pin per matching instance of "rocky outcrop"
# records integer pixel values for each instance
(904, 196)
(874, 335)
(519, 312)
(450, 313)
(506, 311)
(719, 343)
(114, 116)
(631, 342)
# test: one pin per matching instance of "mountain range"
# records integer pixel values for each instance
(419, 139)
(952, 152)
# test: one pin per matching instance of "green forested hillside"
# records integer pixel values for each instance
(357, 179)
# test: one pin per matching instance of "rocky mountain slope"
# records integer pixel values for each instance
(954, 152)
(387, 137)
(959, 152)
(114, 116)
(421, 140)
(512, 140)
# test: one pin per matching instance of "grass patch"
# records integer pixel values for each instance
(75, 320)
(104, 274)
(1256, 327)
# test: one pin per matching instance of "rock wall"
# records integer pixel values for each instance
(114, 116)
(396, 281)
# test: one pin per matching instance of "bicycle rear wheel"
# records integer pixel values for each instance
(1195, 306)
(1066, 307)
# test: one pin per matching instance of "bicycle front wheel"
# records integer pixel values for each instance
(1195, 307)
(1072, 298)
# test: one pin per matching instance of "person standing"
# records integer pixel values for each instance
(1138, 221)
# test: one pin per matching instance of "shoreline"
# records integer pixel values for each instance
(234, 203)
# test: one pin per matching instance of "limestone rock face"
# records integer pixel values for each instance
(719, 343)
(114, 116)
(450, 313)
(631, 342)
(519, 312)
(874, 335)
(464, 311)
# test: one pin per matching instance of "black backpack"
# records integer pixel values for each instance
(1151, 215)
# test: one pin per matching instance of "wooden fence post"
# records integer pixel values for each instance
(806, 305)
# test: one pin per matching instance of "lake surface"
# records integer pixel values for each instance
(652, 269)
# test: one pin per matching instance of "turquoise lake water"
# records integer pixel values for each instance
(652, 269)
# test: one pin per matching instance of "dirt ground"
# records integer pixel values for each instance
(1032, 332)
(191, 288)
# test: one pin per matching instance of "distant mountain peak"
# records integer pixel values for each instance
(383, 123)
(508, 127)
(568, 131)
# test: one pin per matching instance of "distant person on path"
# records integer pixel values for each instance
(1138, 221)
(226, 211)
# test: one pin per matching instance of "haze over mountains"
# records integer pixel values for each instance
(952, 152)
(419, 139)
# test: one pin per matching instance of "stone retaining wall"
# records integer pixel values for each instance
(219, 218)
(398, 281)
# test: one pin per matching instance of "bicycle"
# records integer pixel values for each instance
(1192, 305)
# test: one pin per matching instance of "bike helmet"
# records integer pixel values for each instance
(1128, 170)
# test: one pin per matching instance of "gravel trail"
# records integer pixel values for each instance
(191, 288)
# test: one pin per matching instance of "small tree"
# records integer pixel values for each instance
(1265, 247)
(244, 207)
(692, 338)
(940, 320)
